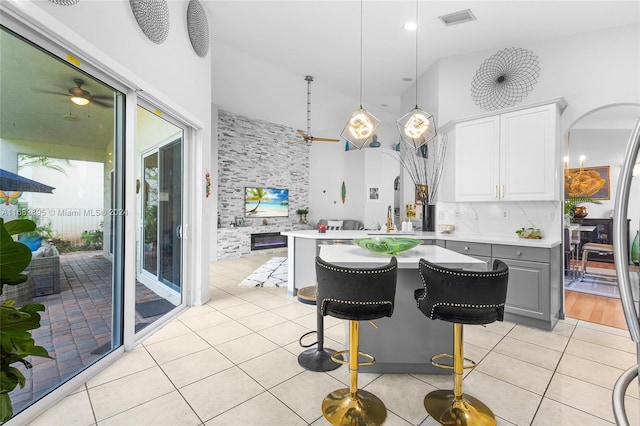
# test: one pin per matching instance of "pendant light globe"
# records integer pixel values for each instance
(362, 125)
(360, 128)
(417, 127)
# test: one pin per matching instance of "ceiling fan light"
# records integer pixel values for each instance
(79, 100)
(417, 128)
(360, 128)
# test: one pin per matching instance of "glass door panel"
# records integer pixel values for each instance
(76, 249)
(159, 278)
(171, 215)
(150, 214)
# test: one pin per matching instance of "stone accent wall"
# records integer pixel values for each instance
(257, 153)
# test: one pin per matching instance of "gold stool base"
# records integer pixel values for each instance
(441, 406)
(366, 409)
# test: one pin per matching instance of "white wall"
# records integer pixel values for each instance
(588, 70)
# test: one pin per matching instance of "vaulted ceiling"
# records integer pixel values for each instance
(320, 38)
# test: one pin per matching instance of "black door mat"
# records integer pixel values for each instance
(154, 308)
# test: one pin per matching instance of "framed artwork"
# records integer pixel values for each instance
(422, 193)
(373, 193)
(591, 182)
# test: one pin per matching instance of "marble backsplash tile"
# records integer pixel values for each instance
(502, 219)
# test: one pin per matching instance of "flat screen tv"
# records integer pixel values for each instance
(266, 202)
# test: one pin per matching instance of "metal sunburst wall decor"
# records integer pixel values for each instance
(152, 17)
(64, 2)
(505, 78)
(198, 27)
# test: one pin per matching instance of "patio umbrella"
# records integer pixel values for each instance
(13, 182)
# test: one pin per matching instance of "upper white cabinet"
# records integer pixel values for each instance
(508, 157)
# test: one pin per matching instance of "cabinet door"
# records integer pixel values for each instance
(477, 166)
(528, 289)
(528, 154)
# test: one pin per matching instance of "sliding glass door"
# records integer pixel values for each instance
(74, 150)
(159, 281)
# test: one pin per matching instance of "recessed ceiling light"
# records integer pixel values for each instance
(410, 26)
(407, 79)
(458, 17)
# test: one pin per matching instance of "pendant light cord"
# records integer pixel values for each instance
(361, 44)
(417, 26)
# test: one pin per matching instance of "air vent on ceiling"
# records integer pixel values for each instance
(458, 17)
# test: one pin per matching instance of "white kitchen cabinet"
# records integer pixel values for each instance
(508, 157)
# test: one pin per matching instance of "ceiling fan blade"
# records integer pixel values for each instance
(101, 103)
(303, 134)
(102, 97)
(325, 140)
(49, 92)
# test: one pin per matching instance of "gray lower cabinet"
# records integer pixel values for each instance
(480, 251)
(532, 299)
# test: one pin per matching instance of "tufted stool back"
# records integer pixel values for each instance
(357, 294)
(463, 297)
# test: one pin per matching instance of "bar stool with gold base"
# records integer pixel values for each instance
(460, 297)
(355, 294)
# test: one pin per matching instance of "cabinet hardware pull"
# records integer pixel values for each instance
(495, 192)
(466, 248)
(502, 192)
(518, 253)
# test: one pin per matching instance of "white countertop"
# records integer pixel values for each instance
(487, 239)
(343, 254)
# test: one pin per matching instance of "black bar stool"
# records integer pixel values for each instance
(355, 294)
(315, 359)
(460, 297)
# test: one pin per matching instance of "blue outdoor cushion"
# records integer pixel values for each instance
(33, 243)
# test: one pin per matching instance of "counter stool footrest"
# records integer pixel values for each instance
(472, 363)
(335, 358)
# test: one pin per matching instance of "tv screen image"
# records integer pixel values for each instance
(266, 202)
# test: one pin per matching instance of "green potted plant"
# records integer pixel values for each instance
(571, 202)
(16, 342)
(303, 214)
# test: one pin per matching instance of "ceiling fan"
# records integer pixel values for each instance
(306, 136)
(79, 96)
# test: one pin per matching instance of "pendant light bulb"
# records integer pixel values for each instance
(362, 124)
(418, 127)
(360, 127)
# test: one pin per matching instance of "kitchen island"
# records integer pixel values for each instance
(535, 291)
(404, 342)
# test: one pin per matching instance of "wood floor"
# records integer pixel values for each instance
(597, 309)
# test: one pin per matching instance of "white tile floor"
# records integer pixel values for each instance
(233, 362)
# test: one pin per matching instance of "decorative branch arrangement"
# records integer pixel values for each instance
(425, 170)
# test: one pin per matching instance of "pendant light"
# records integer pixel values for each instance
(417, 127)
(362, 124)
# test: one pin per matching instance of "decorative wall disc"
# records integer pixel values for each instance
(505, 78)
(64, 2)
(198, 26)
(152, 17)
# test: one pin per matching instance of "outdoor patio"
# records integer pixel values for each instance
(76, 325)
